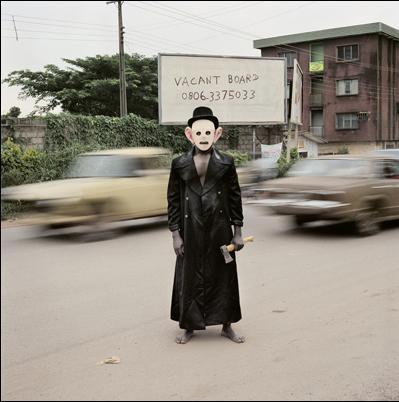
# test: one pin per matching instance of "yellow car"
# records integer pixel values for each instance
(102, 186)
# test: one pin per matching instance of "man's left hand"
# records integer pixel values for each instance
(238, 242)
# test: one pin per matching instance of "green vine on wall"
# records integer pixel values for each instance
(104, 132)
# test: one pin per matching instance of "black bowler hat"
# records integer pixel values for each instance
(203, 113)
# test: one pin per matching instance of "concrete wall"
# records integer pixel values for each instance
(263, 135)
(29, 133)
(354, 148)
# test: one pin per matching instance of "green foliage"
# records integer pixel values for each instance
(70, 135)
(31, 166)
(231, 134)
(282, 163)
(10, 210)
(240, 158)
(103, 132)
(14, 112)
(90, 86)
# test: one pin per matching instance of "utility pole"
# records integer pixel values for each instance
(122, 74)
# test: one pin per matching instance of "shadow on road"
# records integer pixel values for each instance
(84, 234)
(334, 230)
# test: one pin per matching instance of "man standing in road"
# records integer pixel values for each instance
(204, 201)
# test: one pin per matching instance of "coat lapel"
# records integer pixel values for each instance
(216, 169)
(188, 172)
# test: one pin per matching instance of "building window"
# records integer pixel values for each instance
(290, 56)
(316, 64)
(345, 121)
(348, 53)
(347, 87)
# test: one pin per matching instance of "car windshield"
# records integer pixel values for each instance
(102, 166)
(330, 167)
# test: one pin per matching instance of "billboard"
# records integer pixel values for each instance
(296, 95)
(239, 90)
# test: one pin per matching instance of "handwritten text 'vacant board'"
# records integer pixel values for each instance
(239, 90)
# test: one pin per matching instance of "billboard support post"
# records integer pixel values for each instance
(253, 142)
(295, 109)
(287, 141)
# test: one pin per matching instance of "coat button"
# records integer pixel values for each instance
(186, 216)
(219, 192)
(187, 198)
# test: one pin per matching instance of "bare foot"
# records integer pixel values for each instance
(185, 337)
(228, 332)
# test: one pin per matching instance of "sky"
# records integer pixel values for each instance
(49, 31)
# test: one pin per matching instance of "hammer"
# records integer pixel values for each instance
(226, 249)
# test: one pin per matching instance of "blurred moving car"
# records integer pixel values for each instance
(364, 190)
(102, 186)
(390, 153)
(254, 172)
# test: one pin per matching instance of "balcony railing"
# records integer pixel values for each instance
(317, 130)
(316, 99)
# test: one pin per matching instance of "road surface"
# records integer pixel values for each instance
(320, 313)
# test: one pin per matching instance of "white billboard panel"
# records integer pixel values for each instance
(296, 96)
(239, 90)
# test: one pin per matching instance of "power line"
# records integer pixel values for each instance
(282, 13)
(265, 19)
(224, 11)
(166, 41)
(57, 25)
(53, 19)
(179, 19)
(77, 39)
(105, 32)
(187, 44)
(195, 17)
(240, 32)
(53, 32)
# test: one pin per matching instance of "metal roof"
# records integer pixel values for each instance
(354, 30)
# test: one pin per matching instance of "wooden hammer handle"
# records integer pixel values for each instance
(230, 247)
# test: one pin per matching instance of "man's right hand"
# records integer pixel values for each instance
(178, 244)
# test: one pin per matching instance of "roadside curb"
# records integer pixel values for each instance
(12, 223)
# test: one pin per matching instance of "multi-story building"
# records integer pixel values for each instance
(350, 86)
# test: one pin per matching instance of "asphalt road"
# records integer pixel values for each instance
(320, 314)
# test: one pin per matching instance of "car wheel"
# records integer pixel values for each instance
(100, 228)
(366, 222)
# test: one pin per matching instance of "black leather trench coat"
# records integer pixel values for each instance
(205, 289)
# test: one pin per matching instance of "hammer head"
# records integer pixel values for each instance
(227, 257)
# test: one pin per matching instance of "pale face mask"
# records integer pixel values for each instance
(203, 134)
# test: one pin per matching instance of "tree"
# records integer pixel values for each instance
(90, 86)
(14, 112)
